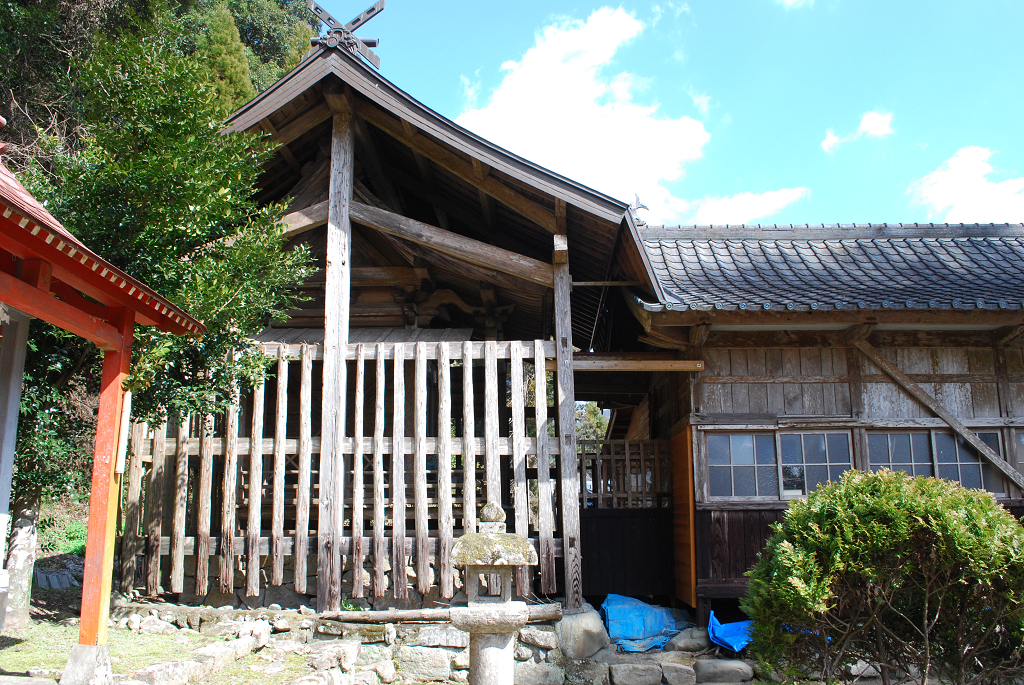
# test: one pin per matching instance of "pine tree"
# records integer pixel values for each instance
(222, 51)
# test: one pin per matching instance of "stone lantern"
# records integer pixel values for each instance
(491, 621)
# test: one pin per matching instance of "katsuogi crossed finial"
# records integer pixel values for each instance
(339, 35)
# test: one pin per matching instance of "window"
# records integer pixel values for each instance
(929, 453)
(752, 464)
(810, 459)
(743, 465)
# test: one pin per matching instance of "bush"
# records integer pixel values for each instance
(920, 576)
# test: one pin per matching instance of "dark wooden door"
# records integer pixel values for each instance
(627, 551)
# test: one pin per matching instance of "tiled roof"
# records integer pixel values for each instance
(929, 266)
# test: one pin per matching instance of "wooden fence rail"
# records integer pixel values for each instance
(625, 474)
(427, 440)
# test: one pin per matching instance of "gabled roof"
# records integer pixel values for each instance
(28, 230)
(837, 267)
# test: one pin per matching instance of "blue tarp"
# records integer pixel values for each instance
(734, 636)
(636, 626)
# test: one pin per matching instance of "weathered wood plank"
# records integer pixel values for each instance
(740, 390)
(177, 549)
(254, 520)
(520, 487)
(155, 510)
(545, 513)
(492, 472)
(379, 548)
(792, 394)
(398, 513)
(468, 441)
(204, 505)
(358, 483)
(757, 391)
(420, 470)
(773, 368)
(812, 393)
(280, 438)
(228, 496)
(301, 552)
(445, 518)
(133, 512)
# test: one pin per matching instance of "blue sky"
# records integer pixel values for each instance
(730, 111)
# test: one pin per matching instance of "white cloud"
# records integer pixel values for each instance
(676, 8)
(745, 207)
(470, 90)
(960, 191)
(793, 4)
(701, 101)
(873, 124)
(557, 107)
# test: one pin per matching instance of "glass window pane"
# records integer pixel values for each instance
(767, 481)
(838, 448)
(721, 483)
(765, 447)
(923, 470)
(878, 448)
(922, 449)
(816, 475)
(949, 472)
(742, 449)
(990, 439)
(718, 450)
(793, 480)
(743, 480)
(814, 448)
(970, 476)
(836, 472)
(792, 453)
(899, 443)
(905, 468)
(945, 449)
(993, 479)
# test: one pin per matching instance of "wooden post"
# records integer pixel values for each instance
(567, 461)
(255, 511)
(337, 296)
(105, 490)
(180, 505)
(12, 367)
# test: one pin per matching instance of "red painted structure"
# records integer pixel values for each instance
(47, 273)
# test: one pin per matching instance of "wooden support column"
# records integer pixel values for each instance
(337, 297)
(567, 462)
(12, 367)
(105, 491)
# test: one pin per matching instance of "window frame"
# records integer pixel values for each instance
(933, 447)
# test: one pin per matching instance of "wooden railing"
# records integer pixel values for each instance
(625, 474)
(466, 439)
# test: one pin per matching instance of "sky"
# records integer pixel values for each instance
(735, 111)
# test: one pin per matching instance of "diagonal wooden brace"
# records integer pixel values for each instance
(918, 393)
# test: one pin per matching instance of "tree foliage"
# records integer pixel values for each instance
(920, 576)
(221, 50)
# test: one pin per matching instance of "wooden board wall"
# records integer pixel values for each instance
(683, 515)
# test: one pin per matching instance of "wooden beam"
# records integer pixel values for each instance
(1005, 336)
(615, 361)
(13, 344)
(779, 316)
(458, 166)
(286, 153)
(337, 298)
(304, 123)
(918, 393)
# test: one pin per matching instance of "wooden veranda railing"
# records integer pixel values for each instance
(625, 474)
(208, 489)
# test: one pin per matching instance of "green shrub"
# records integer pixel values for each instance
(921, 576)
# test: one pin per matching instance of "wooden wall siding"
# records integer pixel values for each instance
(962, 379)
(627, 551)
(1015, 369)
(729, 542)
(425, 499)
(640, 422)
(625, 474)
(807, 381)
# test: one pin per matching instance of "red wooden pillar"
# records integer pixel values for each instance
(106, 488)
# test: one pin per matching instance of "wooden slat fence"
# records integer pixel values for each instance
(625, 474)
(464, 439)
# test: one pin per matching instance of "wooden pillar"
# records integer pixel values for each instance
(12, 367)
(337, 299)
(567, 462)
(105, 491)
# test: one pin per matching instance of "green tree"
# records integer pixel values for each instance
(591, 423)
(223, 53)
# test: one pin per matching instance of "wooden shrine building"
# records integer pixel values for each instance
(455, 282)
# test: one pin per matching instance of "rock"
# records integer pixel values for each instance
(134, 621)
(722, 671)
(151, 625)
(543, 637)
(305, 624)
(172, 673)
(690, 640)
(442, 636)
(581, 635)
(587, 673)
(306, 611)
(677, 674)
(385, 669)
(371, 654)
(423, 664)
(635, 674)
(366, 678)
(332, 676)
(259, 630)
(390, 634)
(523, 653)
(461, 660)
(863, 669)
(608, 655)
(343, 653)
(281, 625)
(538, 674)
(222, 629)
(274, 607)
(283, 596)
(364, 632)
(460, 676)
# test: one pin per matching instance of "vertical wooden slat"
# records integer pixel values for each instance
(521, 493)
(629, 475)
(398, 574)
(380, 551)
(180, 506)
(570, 477)
(255, 513)
(445, 523)
(301, 547)
(155, 510)
(420, 472)
(280, 437)
(492, 473)
(204, 505)
(468, 442)
(546, 517)
(228, 510)
(133, 512)
(358, 486)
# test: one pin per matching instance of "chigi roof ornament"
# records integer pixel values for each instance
(343, 36)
